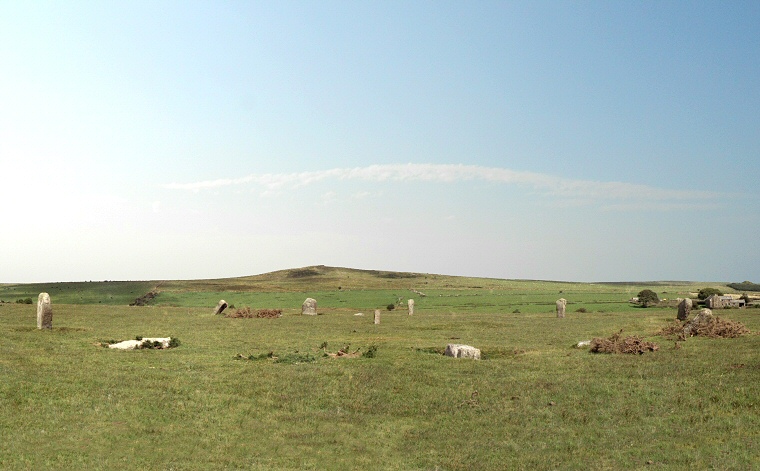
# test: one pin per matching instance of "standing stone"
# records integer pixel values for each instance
(704, 316)
(377, 316)
(309, 307)
(684, 309)
(44, 312)
(411, 306)
(220, 307)
(561, 304)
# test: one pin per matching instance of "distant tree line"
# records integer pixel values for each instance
(745, 286)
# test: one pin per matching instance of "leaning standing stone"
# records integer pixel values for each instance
(561, 304)
(309, 307)
(411, 306)
(377, 316)
(220, 307)
(684, 308)
(44, 312)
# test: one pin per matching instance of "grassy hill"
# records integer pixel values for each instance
(352, 288)
(262, 394)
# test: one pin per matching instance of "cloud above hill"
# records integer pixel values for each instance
(563, 188)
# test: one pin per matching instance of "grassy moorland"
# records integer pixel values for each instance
(533, 402)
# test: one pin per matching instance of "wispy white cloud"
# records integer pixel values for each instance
(578, 190)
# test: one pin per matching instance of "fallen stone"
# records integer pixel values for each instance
(583, 343)
(462, 351)
(44, 312)
(135, 344)
(359, 314)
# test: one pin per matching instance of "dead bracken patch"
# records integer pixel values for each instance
(717, 327)
(712, 327)
(619, 344)
(248, 313)
(672, 331)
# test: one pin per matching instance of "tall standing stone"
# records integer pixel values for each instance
(684, 309)
(44, 312)
(377, 316)
(561, 305)
(411, 306)
(309, 307)
(220, 307)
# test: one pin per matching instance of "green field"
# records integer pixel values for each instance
(533, 402)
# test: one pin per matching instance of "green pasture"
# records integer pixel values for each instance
(533, 402)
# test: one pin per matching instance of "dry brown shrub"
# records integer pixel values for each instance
(717, 327)
(713, 327)
(619, 344)
(269, 313)
(247, 313)
(674, 330)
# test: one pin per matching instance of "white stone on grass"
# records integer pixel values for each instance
(135, 344)
(462, 351)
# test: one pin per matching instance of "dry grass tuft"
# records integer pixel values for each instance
(619, 344)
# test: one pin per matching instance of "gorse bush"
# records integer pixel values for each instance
(705, 293)
(647, 297)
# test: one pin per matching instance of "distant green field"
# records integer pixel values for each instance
(533, 402)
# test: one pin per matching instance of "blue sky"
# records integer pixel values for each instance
(586, 141)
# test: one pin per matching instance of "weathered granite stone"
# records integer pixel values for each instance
(462, 351)
(411, 306)
(561, 304)
(220, 307)
(309, 307)
(684, 309)
(377, 316)
(703, 316)
(44, 312)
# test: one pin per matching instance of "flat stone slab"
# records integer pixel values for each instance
(135, 344)
(456, 350)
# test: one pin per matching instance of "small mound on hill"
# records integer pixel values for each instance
(619, 344)
(303, 273)
(145, 299)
